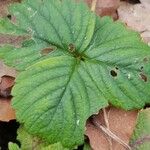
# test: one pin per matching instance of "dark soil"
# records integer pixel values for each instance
(8, 133)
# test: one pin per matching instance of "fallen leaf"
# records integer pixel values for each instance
(6, 111)
(121, 123)
(6, 85)
(5, 70)
(136, 17)
(146, 3)
(106, 7)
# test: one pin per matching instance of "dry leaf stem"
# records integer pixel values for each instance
(110, 134)
(93, 6)
(107, 125)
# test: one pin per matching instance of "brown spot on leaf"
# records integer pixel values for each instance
(46, 51)
(143, 77)
(145, 59)
(71, 47)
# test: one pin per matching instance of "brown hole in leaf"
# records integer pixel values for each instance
(82, 59)
(113, 73)
(117, 68)
(143, 77)
(9, 16)
(71, 47)
(142, 68)
(46, 51)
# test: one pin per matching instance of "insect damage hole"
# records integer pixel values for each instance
(82, 59)
(113, 73)
(143, 77)
(9, 16)
(116, 68)
(142, 68)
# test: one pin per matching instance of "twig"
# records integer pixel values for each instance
(111, 134)
(107, 125)
(93, 6)
(105, 117)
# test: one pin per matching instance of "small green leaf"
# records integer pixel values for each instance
(141, 137)
(28, 142)
(87, 147)
(13, 146)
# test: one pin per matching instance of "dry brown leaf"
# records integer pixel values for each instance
(146, 3)
(136, 17)
(4, 70)
(6, 111)
(106, 7)
(6, 85)
(121, 123)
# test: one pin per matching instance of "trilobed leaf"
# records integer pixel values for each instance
(93, 62)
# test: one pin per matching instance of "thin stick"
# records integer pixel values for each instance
(107, 125)
(105, 117)
(93, 6)
(111, 134)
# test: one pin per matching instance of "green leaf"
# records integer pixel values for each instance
(87, 146)
(28, 142)
(140, 139)
(28, 54)
(7, 27)
(57, 26)
(61, 101)
(119, 64)
(13, 146)
(95, 62)
(78, 26)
